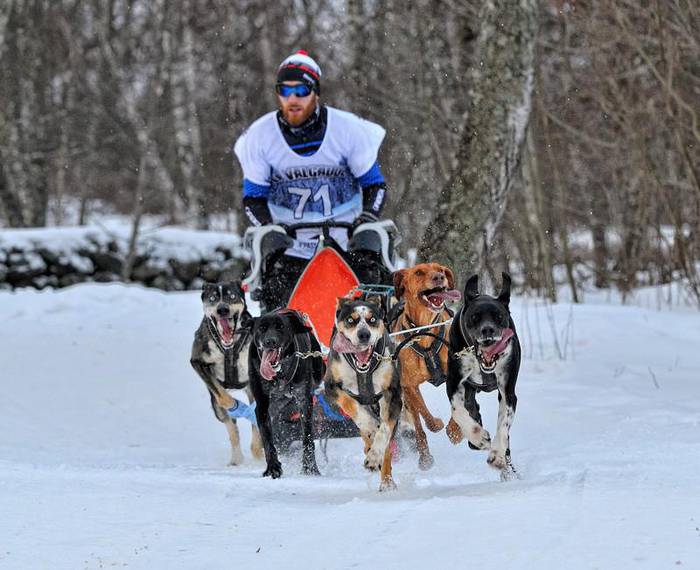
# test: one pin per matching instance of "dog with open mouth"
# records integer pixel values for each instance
(285, 363)
(220, 357)
(424, 290)
(484, 356)
(363, 381)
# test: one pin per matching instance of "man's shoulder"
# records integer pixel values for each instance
(346, 116)
(261, 125)
(354, 126)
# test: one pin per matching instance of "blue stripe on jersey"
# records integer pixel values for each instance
(372, 176)
(303, 145)
(253, 190)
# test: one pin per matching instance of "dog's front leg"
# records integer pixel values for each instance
(499, 456)
(304, 400)
(256, 446)
(220, 395)
(465, 412)
(390, 410)
(262, 415)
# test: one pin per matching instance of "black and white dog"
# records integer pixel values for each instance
(220, 357)
(363, 379)
(282, 368)
(484, 356)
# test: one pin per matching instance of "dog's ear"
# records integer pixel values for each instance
(298, 324)
(238, 288)
(450, 277)
(207, 289)
(471, 289)
(340, 302)
(399, 288)
(504, 295)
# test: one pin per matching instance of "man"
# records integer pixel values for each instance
(308, 162)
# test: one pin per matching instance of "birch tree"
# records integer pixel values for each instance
(471, 204)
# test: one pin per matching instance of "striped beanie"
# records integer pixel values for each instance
(300, 67)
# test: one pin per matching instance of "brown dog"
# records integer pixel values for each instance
(424, 289)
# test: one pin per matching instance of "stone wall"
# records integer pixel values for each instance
(178, 261)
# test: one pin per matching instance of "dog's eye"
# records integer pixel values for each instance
(212, 298)
(420, 273)
(372, 320)
(349, 320)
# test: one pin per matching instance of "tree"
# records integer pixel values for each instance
(472, 202)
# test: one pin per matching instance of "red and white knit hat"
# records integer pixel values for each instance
(300, 67)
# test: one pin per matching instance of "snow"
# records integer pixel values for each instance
(158, 242)
(111, 456)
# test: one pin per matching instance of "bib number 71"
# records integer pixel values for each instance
(323, 194)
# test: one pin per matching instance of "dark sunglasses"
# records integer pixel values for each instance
(300, 90)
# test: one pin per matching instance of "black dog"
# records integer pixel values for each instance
(484, 356)
(281, 369)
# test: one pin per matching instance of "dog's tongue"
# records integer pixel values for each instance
(490, 352)
(342, 344)
(266, 369)
(448, 295)
(226, 332)
(364, 356)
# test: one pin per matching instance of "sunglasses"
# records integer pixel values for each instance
(300, 90)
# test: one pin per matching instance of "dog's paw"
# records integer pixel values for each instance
(454, 432)
(274, 471)
(373, 461)
(435, 425)
(387, 485)
(236, 459)
(479, 438)
(497, 459)
(425, 461)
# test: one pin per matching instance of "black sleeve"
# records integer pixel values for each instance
(373, 197)
(257, 211)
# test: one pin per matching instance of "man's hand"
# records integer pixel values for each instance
(364, 218)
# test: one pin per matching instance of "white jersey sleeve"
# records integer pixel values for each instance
(249, 149)
(363, 141)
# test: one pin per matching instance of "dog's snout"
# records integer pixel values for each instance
(363, 335)
(222, 310)
(488, 331)
(437, 278)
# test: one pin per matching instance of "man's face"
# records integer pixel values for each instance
(296, 110)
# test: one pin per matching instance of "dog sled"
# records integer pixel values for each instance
(328, 275)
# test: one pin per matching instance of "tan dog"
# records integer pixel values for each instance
(424, 289)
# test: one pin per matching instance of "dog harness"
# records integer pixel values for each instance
(365, 386)
(431, 354)
(231, 353)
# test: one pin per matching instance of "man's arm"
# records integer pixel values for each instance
(373, 192)
(255, 203)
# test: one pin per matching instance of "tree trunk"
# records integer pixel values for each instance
(472, 203)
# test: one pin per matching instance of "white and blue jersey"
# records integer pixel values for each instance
(322, 186)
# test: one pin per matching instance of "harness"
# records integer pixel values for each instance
(472, 347)
(231, 352)
(431, 354)
(365, 386)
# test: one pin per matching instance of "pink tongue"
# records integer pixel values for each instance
(266, 370)
(364, 356)
(451, 295)
(490, 352)
(226, 334)
(342, 344)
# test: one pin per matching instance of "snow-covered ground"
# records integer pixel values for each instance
(110, 456)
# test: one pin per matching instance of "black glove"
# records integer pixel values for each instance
(364, 218)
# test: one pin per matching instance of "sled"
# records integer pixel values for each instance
(326, 277)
